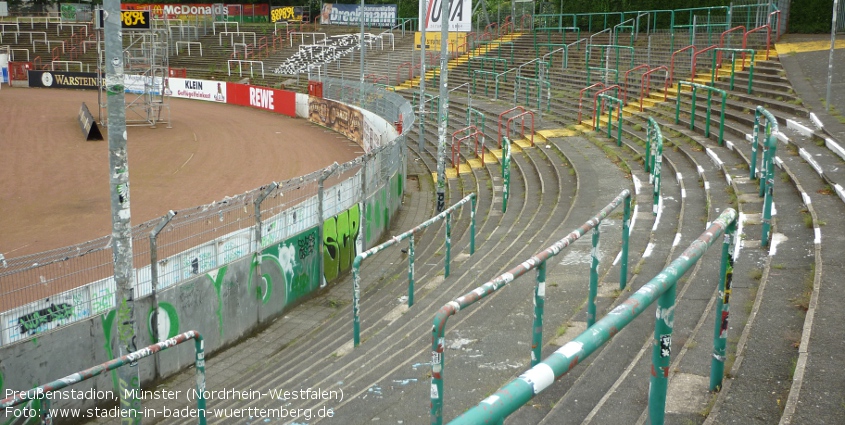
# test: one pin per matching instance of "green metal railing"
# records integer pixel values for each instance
(654, 159)
(533, 87)
(477, 118)
(590, 70)
(714, 70)
(485, 75)
(618, 57)
(710, 91)
(409, 235)
(488, 64)
(495, 408)
(41, 392)
(537, 262)
(767, 167)
(600, 107)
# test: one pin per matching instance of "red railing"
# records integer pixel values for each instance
(522, 130)
(375, 78)
(768, 39)
(581, 97)
(399, 71)
(722, 42)
(432, 58)
(456, 147)
(491, 28)
(778, 21)
(625, 81)
(672, 62)
(645, 83)
(695, 57)
(596, 102)
(522, 22)
(502, 115)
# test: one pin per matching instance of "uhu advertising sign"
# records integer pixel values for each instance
(129, 19)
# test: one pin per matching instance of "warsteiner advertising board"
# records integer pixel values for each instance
(63, 80)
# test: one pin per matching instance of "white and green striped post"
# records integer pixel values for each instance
(654, 159)
(518, 392)
(448, 256)
(539, 305)
(411, 269)
(594, 277)
(720, 332)
(767, 178)
(626, 232)
(663, 326)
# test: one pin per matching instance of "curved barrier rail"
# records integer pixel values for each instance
(409, 235)
(40, 393)
(767, 168)
(661, 288)
(645, 83)
(536, 262)
(611, 102)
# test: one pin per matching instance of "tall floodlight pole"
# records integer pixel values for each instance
(443, 109)
(830, 58)
(121, 226)
(423, 22)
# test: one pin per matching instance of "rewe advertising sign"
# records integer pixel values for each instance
(460, 15)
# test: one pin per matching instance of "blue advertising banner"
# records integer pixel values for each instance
(383, 15)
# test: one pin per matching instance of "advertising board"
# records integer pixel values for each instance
(189, 88)
(460, 15)
(383, 15)
(269, 99)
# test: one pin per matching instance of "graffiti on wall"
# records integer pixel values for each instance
(341, 118)
(45, 315)
(340, 237)
(168, 322)
(293, 263)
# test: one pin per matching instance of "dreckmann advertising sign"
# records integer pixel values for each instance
(383, 15)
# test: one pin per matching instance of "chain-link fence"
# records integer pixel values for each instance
(43, 291)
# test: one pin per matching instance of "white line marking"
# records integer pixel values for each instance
(706, 185)
(633, 219)
(806, 198)
(782, 137)
(677, 240)
(795, 125)
(700, 170)
(648, 249)
(738, 244)
(683, 193)
(809, 158)
(818, 238)
(659, 207)
(637, 184)
(678, 177)
(714, 157)
(833, 146)
(729, 144)
(816, 121)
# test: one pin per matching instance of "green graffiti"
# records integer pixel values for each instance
(339, 235)
(108, 323)
(263, 289)
(217, 281)
(297, 262)
(166, 315)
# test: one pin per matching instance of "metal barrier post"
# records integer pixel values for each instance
(654, 150)
(755, 135)
(539, 305)
(448, 257)
(626, 230)
(594, 278)
(660, 360)
(472, 227)
(720, 333)
(154, 269)
(411, 269)
(506, 172)
(768, 158)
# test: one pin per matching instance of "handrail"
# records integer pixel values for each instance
(536, 262)
(356, 264)
(596, 100)
(661, 288)
(520, 108)
(768, 38)
(581, 97)
(591, 37)
(37, 393)
(615, 27)
(521, 115)
(473, 132)
(767, 172)
(722, 40)
(710, 91)
(625, 81)
(715, 71)
(695, 57)
(645, 84)
(621, 105)
(672, 62)
(777, 20)
(566, 61)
